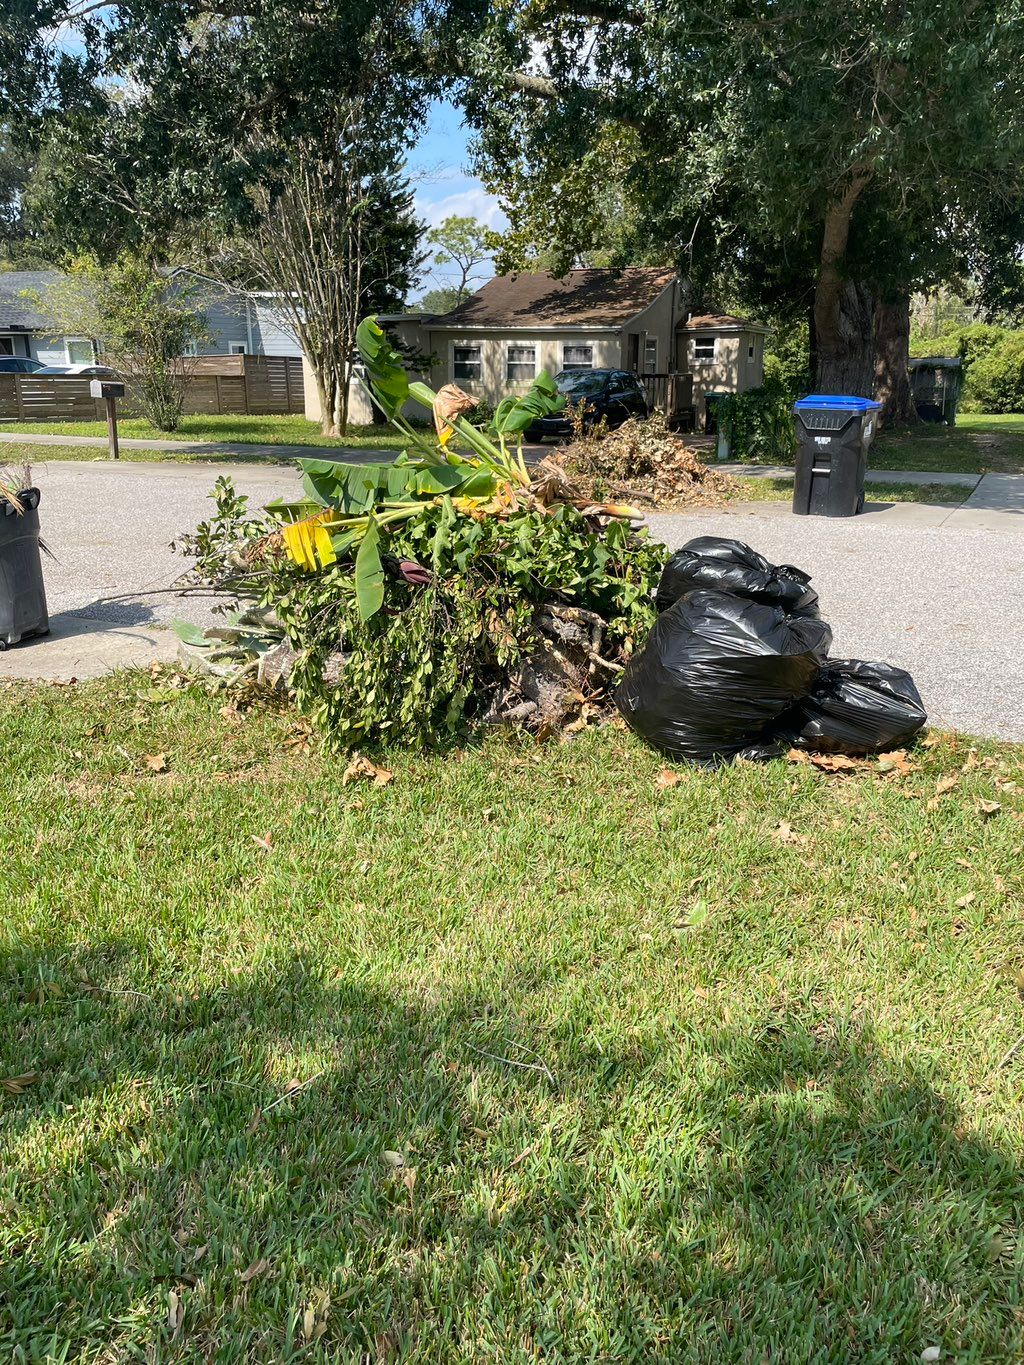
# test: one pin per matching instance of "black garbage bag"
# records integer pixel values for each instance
(855, 708)
(710, 562)
(716, 671)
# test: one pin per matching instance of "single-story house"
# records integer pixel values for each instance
(631, 319)
(237, 324)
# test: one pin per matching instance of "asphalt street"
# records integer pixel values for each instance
(936, 591)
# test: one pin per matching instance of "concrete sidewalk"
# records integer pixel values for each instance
(912, 476)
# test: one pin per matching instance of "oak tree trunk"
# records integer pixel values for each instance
(842, 311)
(891, 334)
(844, 362)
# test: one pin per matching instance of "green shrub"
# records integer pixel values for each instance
(787, 359)
(760, 423)
(995, 381)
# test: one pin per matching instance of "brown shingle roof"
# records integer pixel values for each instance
(595, 298)
(709, 321)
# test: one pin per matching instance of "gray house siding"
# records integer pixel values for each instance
(234, 322)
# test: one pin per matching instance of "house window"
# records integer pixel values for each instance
(79, 351)
(521, 363)
(466, 362)
(750, 353)
(236, 348)
(577, 357)
(651, 355)
(703, 348)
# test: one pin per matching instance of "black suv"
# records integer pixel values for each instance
(612, 394)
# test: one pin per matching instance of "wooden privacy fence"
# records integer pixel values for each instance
(258, 385)
(671, 394)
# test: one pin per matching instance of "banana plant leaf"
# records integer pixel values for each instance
(369, 573)
(514, 415)
(358, 488)
(384, 368)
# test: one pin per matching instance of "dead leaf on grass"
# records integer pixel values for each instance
(826, 763)
(896, 762)
(393, 1159)
(156, 763)
(946, 784)
(786, 834)
(175, 1311)
(667, 778)
(989, 808)
(17, 1085)
(360, 767)
(266, 843)
(254, 1271)
(965, 901)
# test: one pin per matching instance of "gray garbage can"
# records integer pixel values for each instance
(22, 594)
(833, 433)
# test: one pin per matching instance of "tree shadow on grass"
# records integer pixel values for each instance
(781, 1192)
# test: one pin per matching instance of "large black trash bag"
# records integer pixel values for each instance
(855, 708)
(716, 671)
(719, 565)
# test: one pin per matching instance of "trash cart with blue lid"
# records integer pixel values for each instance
(833, 434)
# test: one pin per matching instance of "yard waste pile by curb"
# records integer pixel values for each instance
(745, 672)
(644, 461)
(404, 603)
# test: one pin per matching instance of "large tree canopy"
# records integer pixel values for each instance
(845, 153)
(802, 145)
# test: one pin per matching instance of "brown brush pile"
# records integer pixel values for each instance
(645, 462)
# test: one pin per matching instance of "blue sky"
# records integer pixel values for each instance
(438, 166)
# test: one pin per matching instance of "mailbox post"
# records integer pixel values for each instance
(110, 391)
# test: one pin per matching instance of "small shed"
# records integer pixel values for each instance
(724, 353)
(935, 382)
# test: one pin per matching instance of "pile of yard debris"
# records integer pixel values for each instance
(644, 462)
(402, 603)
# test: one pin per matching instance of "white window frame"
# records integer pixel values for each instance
(69, 341)
(705, 339)
(578, 346)
(477, 346)
(236, 348)
(650, 346)
(521, 345)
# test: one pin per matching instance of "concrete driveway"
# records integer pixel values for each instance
(937, 591)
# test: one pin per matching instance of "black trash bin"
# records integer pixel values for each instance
(833, 434)
(22, 595)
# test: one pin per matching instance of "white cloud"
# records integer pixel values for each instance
(469, 203)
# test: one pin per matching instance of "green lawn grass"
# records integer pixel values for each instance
(278, 430)
(780, 490)
(576, 1066)
(980, 443)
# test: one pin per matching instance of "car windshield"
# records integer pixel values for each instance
(581, 383)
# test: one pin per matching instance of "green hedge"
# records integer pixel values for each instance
(760, 423)
(993, 359)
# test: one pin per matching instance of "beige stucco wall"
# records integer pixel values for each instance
(492, 384)
(657, 323)
(731, 371)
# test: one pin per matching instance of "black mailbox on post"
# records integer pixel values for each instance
(105, 388)
(110, 390)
